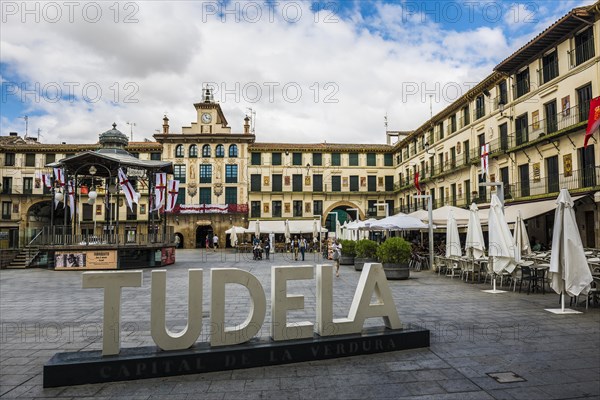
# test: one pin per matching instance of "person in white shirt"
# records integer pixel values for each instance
(336, 252)
(215, 242)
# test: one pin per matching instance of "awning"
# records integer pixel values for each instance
(531, 209)
(304, 226)
(440, 216)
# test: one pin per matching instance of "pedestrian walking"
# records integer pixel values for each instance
(336, 250)
(267, 248)
(215, 242)
(302, 245)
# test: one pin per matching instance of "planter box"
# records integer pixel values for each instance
(396, 271)
(360, 262)
(346, 260)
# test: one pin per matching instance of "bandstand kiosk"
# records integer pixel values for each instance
(116, 236)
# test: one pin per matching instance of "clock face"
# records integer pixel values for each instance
(206, 118)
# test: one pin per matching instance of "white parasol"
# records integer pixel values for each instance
(397, 222)
(233, 237)
(287, 231)
(521, 238)
(569, 269)
(453, 248)
(502, 245)
(474, 244)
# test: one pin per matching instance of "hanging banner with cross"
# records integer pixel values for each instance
(47, 180)
(59, 177)
(485, 152)
(172, 191)
(127, 189)
(159, 191)
(71, 194)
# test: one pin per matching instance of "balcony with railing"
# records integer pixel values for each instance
(548, 72)
(583, 52)
(580, 180)
(104, 236)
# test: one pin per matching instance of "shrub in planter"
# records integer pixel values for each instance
(394, 254)
(366, 251)
(348, 252)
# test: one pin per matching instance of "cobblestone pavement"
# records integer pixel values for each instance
(473, 334)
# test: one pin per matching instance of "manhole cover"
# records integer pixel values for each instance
(506, 377)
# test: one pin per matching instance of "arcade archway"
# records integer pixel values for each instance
(203, 233)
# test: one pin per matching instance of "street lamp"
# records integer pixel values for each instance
(319, 232)
(387, 208)
(499, 191)
(430, 217)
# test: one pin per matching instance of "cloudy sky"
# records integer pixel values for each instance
(310, 71)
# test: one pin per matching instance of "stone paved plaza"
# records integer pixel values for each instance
(473, 334)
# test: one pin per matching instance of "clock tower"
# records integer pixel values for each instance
(210, 118)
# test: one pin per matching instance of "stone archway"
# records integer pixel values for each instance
(41, 211)
(39, 215)
(202, 232)
(341, 209)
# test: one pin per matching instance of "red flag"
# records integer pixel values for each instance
(593, 120)
(417, 182)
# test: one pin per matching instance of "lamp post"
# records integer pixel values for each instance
(499, 191)
(387, 208)
(430, 217)
(319, 233)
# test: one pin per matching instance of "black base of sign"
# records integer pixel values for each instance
(77, 368)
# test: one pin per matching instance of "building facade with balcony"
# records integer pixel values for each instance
(532, 112)
(210, 163)
(331, 182)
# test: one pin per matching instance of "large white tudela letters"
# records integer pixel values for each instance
(372, 283)
(112, 282)
(163, 337)
(221, 335)
(281, 303)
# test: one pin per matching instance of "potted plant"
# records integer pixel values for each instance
(348, 252)
(366, 251)
(394, 254)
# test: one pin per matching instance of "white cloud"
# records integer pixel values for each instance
(361, 67)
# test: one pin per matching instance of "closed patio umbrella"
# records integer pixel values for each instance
(286, 232)
(257, 229)
(501, 246)
(453, 248)
(234, 238)
(521, 238)
(568, 265)
(474, 244)
(315, 231)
